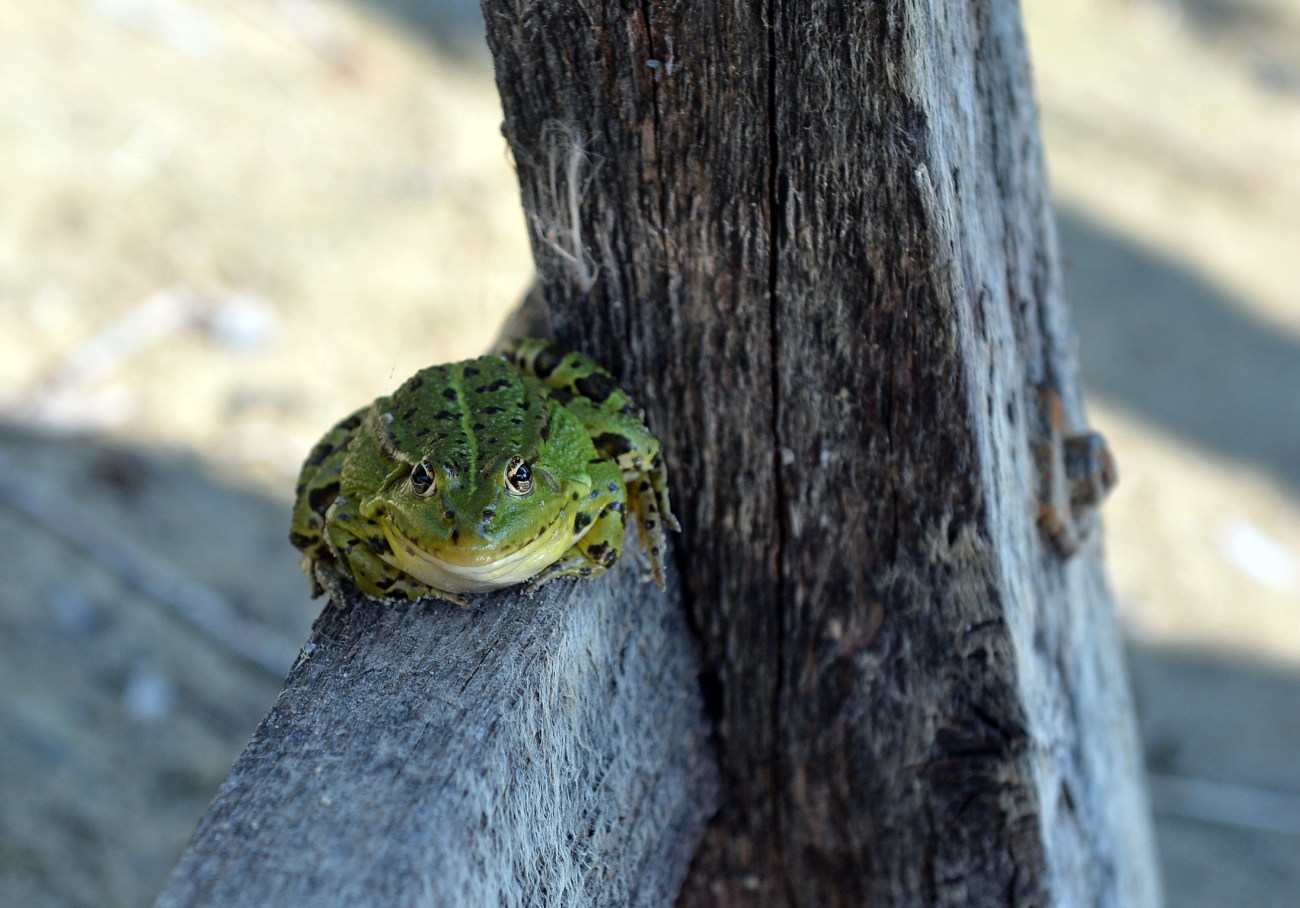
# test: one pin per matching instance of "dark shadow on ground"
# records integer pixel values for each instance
(1262, 40)
(118, 720)
(453, 27)
(1161, 341)
(1229, 720)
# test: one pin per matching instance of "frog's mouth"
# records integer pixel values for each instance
(469, 570)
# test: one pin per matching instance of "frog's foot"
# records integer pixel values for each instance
(375, 576)
(648, 492)
(308, 533)
(595, 552)
(394, 587)
(569, 566)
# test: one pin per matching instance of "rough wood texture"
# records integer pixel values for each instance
(530, 750)
(818, 236)
(814, 239)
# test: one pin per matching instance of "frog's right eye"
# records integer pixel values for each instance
(421, 480)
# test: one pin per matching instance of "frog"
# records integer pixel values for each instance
(518, 467)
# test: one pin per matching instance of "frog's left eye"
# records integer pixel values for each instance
(519, 478)
(421, 480)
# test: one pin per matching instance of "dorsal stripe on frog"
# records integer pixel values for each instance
(450, 434)
(470, 427)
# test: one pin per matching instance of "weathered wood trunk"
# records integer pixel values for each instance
(818, 234)
(814, 240)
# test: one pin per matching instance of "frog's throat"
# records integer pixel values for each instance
(457, 570)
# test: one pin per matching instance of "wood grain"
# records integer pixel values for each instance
(822, 248)
(531, 749)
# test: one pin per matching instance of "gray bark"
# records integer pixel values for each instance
(531, 749)
(814, 241)
(818, 235)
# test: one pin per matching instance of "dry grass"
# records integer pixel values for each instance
(294, 153)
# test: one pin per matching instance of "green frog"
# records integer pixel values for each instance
(483, 474)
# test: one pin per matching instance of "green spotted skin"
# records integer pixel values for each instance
(482, 474)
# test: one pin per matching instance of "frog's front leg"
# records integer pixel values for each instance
(626, 441)
(649, 492)
(318, 487)
(360, 544)
(615, 425)
(600, 526)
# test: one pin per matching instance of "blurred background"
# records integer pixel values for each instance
(225, 223)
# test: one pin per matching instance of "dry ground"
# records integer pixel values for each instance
(223, 224)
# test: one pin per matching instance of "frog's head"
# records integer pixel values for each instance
(483, 478)
(459, 529)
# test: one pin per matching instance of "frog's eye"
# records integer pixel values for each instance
(421, 480)
(519, 478)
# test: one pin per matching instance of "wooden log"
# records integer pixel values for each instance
(544, 748)
(818, 236)
(814, 238)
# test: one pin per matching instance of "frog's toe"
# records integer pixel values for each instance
(658, 477)
(650, 523)
(595, 552)
(571, 566)
(656, 554)
(670, 519)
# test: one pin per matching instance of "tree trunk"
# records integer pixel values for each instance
(813, 239)
(818, 235)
